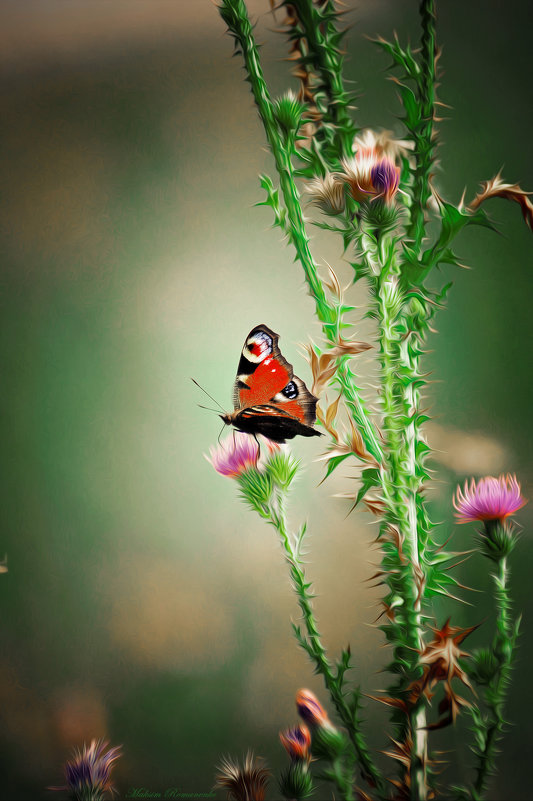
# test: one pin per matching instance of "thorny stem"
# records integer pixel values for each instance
(327, 60)
(503, 648)
(400, 485)
(423, 135)
(316, 649)
(235, 15)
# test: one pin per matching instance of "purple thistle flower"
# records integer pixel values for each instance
(488, 499)
(88, 773)
(297, 742)
(237, 453)
(385, 177)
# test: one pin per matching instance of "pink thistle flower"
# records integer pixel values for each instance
(488, 499)
(296, 742)
(236, 454)
(88, 773)
(370, 175)
(310, 709)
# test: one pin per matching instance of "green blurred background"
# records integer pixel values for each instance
(143, 602)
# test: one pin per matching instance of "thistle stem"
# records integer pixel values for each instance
(317, 651)
(322, 38)
(503, 648)
(423, 133)
(400, 483)
(235, 15)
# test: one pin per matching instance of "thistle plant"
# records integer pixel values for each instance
(88, 772)
(376, 193)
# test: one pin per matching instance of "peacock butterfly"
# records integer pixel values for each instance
(268, 398)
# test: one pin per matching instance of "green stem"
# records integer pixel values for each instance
(503, 648)
(399, 370)
(423, 134)
(322, 38)
(235, 15)
(317, 651)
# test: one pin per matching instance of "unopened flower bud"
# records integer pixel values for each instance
(296, 782)
(296, 742)
(310, 709)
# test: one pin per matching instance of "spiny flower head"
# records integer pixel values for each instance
(237, 453)
(310, 709)
(328, 194)
(88, 773)
(288, 112)
(297, 742)
(328, 742)
(370, 176)
(385, 177)
(488, 499)
(248, 783)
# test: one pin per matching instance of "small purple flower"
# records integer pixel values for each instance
(237, 453)
(297, 742)
(385, 177)
(488, 499)
(88, 773)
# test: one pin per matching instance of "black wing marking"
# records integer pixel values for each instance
(273, 423)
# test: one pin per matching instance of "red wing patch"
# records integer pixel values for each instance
(262, 370)
(265, 377)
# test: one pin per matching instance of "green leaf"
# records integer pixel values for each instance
(413, 114)
(370, 477)
(334, 462)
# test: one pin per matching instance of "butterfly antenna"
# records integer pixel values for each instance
(208, 395)
(208, 408)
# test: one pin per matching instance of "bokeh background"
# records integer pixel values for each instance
(143, 602)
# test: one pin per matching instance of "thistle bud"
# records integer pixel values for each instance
(281, 468)
(483, 666)
(296, 742)
(311, 710)
(296, 782)
(328, 742)
(288, 112)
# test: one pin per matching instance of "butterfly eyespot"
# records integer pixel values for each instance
(290, 391)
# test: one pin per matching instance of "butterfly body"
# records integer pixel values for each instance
(268, 398)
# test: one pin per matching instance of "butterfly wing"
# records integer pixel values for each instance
(272, 422)
(265, 378)
(262, 370)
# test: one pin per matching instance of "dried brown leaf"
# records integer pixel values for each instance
(497, 187)
(346, 347)
(332, 412)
